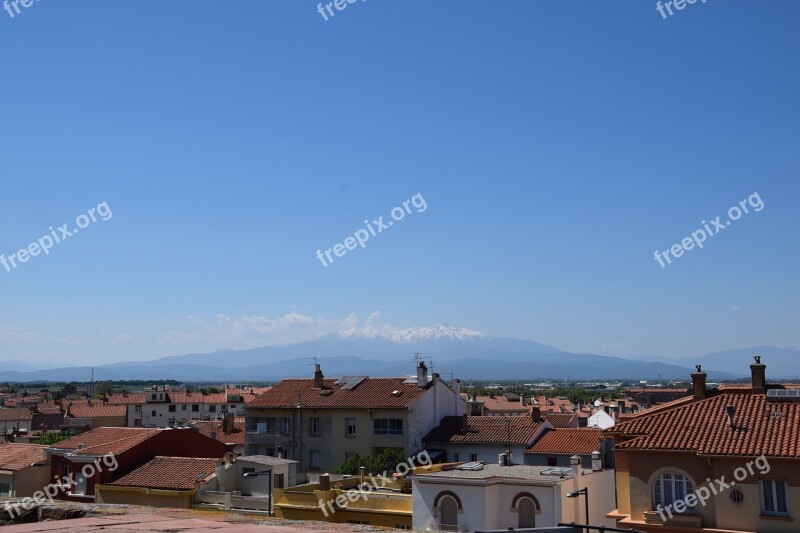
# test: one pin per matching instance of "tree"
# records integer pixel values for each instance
(384, 462)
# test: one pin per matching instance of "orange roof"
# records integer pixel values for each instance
(48, 408)
(169, 473)
(15, 414)
(17, 457)
(216, 426)
(485, 429)
(127, 398)
(560, 420)
(376, 393)
(197, 397)
(580, 441)
(504, 404)
(761, 425)
(102, 441)
(96, 410)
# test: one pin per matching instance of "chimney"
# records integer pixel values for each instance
(522, 399)
(464, 424)
(758, 371)
(457, 388)
(575, 464)
(730, 410)
(325, 482)
(422, 375)
(319, 380)
(621, 404)
(699, 384)
(597, 463)
(536, 413)
(227, 423)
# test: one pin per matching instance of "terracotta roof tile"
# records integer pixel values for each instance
(761, 425)
(503, 404)
(216, 426)
(49, 408)
(14, 456)
(581, 441)
(376, 393)
(96, 410)
(14, 414)
(485, 429)
(101, 441)
(169, 473)
(561, 420)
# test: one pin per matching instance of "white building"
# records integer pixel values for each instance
(476, 497)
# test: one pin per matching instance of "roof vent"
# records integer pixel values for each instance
(397, 392)
(730, 410)
(81, 446)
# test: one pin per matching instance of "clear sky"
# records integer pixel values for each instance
(556, 145)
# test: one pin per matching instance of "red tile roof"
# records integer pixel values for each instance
(761, 425)
(101, 441)
(128, 398)
(197, 397)
(216, 426)
(485, 429)
(15, 414)
(376, 393)
(580, 441)
(169, 473)
(96, 410)
(503, 404)
(17, 457)
(48, 408)
(561, 420)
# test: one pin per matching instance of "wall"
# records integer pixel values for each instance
(145, 497)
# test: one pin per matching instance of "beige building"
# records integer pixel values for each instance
(322, 422)
(720, 460)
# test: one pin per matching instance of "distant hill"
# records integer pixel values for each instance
(386, 351)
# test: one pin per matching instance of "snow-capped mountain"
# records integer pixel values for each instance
(411, 335)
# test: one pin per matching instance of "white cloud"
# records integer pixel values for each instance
(126, 337)
(252, 331)
(13, 333)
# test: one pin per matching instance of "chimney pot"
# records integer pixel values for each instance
(758, 371)
(319, 379)
(325, 482)
(730, 410)
(536, 413)
(699, 384)
(422, 375)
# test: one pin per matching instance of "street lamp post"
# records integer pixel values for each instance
(263, 473)
(585, 493)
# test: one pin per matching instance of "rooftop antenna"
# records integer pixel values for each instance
(417, 357)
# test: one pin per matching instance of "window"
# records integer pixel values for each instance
(552, 461)
(172, 408)
(153, 413)
(80, 486)
(773, 497)
(387, 426)
(670, 488)
(285, 426)
(5, 489)
(195, 408)
(314, 422)
(137, 408)
(314, 460)
(350, 427)
(183, 407)
(153, 397)
(212, 408)
(473, 457)
(66, 472)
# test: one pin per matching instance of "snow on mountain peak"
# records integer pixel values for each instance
(410, 335)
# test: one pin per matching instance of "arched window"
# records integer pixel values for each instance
(527, 513)
(526, 506)
(669, 488)
(448, 514)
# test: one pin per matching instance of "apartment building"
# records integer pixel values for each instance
(725, 459)
(322, 422)
(165, 407)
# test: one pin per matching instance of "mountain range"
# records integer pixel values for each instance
(387, 351)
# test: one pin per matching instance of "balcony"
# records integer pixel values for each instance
(678, 520)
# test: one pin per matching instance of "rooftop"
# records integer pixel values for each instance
(573, 441)
(485, 429)
(101, 441)
(17, 457)
(265, 460)
(217, 428)
(169, 473)
(494, 471)
(377, 393)
(15, 414)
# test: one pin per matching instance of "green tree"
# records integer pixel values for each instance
(386, 461)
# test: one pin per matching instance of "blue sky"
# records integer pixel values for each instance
(557, 146)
